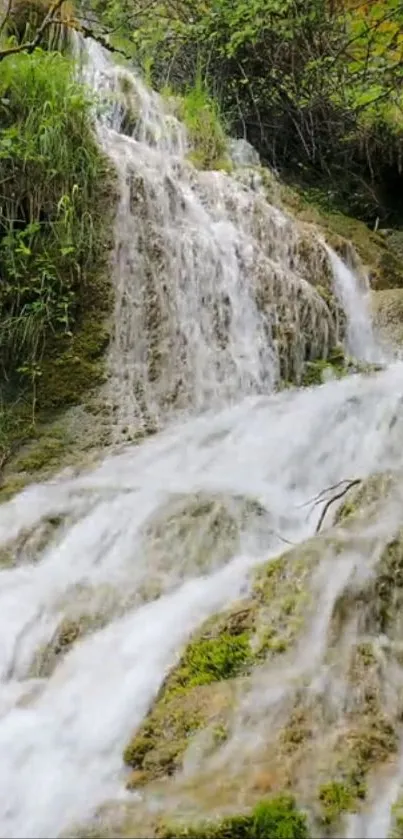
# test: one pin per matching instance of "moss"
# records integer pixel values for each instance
(200, 160)
(282, 597)
(276, 818)
(295, 732)
(388, 587)
(396, 831)
(336, 798)
(365, 494)
(158, 746)
(44, 453)
(336, 365)
(10, 485)
(75, 365)
(202, 686)
(209, 660)
(65, 636)
(380, 258)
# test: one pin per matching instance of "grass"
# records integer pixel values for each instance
(201, 115)
(55, 190)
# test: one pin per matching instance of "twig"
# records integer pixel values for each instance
(356, 482)
(282, 538)
(317, 498)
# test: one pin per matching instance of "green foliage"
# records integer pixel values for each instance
(52, 201)
(315, 86)
(396, 831)
(201, 115)
(336, 798)
(209, 660)
(276, 818)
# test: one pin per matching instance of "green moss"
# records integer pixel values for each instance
(396, 831)
(388, 587)
(200, 159)
(45, 453)
(380, 258)
(209, 660)
(158, 746)
(336, 798)
(11, 485)
(365, 494)
(282, 594)
(276, 818)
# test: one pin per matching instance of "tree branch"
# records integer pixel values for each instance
(334, 498)
(49, 20)
(30, 46)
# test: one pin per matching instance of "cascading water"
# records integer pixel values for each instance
(143, 548)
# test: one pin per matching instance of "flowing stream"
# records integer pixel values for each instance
(119, 544)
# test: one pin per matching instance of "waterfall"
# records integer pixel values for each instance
(217, 293)
(354, 298)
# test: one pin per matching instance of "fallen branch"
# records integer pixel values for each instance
(318, 498)
(334, 498)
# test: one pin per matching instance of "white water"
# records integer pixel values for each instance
(62, 736)
(361, 340)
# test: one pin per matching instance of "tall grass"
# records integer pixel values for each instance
(50, 212)
(201, 115)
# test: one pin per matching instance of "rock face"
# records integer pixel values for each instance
(387, 307)
(297, 688)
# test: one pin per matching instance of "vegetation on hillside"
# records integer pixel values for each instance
(54, 186)
(315, 85)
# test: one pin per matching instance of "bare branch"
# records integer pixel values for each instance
(319, 497)
(334, 498)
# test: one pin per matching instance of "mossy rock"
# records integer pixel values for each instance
(381, 260)
(30, 544)
(365, 494)
(387, 311)
(159, 746)
(276, 818)
(198, 532)
(336, 798)
(199, 693)
(64, 638)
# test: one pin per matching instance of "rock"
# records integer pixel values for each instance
(387, 308)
